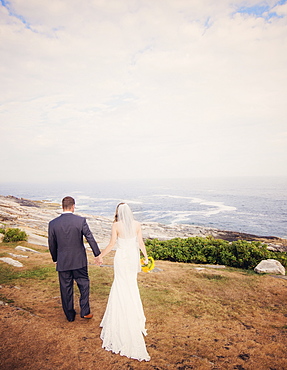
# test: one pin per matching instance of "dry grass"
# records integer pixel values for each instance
(208, 319)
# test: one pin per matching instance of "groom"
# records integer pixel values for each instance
(65, 238)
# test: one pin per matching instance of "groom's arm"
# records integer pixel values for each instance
(52, 242)
(90, 239)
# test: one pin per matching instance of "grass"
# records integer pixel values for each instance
(13, 276)
(208, 319)
(212, 277)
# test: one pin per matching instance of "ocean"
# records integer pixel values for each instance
(249, 205)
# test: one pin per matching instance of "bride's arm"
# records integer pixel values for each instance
(141, 242)
(112, 242)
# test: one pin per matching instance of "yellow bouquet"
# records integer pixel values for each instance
(149, 266)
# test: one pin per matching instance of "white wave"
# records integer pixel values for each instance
(185, 216)
(181, 218)
(86, 197)
(197, 200)
(116, 200)
(217, 207)
(172, 196)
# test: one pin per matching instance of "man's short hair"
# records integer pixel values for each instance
(68, 202)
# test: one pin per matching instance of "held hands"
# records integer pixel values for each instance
(99, 260)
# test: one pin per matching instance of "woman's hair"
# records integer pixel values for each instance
(116, 214)
(125, 216)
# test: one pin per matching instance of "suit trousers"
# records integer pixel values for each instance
(66, 280)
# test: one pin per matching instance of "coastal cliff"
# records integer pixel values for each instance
(34, 216)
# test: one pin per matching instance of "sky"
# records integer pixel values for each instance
(142, 89)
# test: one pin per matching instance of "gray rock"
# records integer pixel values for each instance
(216, 266)
(276, 248)
(25, 249)
(12, 262)
(156, 269)
(270, 266)
(18, 255)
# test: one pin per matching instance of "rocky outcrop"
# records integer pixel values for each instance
(25, 249)
(34, 216)
(11, 261)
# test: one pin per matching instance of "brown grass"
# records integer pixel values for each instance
(208, 319)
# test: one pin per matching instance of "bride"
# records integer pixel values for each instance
(123, 324)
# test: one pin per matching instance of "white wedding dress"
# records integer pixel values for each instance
(123, 324)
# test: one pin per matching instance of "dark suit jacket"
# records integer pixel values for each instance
(65, 238)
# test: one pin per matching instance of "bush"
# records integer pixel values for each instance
(14, 235)
(240, 253)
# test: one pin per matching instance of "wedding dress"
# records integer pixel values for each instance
(123, 324)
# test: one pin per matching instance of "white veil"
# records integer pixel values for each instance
(126, 218)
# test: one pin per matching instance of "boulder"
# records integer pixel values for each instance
(12, 262)
(270, 266)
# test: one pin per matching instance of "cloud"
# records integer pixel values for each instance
(140, 89)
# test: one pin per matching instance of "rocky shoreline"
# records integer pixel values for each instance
(34, 216)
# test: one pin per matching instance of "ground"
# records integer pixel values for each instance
(196, 318)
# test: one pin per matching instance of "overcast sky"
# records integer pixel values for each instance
(107, 89)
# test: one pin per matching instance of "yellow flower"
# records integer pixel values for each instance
(149, 266)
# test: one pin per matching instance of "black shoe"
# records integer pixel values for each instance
(72, 318)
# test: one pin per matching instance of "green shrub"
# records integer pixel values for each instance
(248, 254)
(14, 235)
(2, 231)
(240, 253)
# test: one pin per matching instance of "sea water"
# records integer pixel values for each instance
(249, 205)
